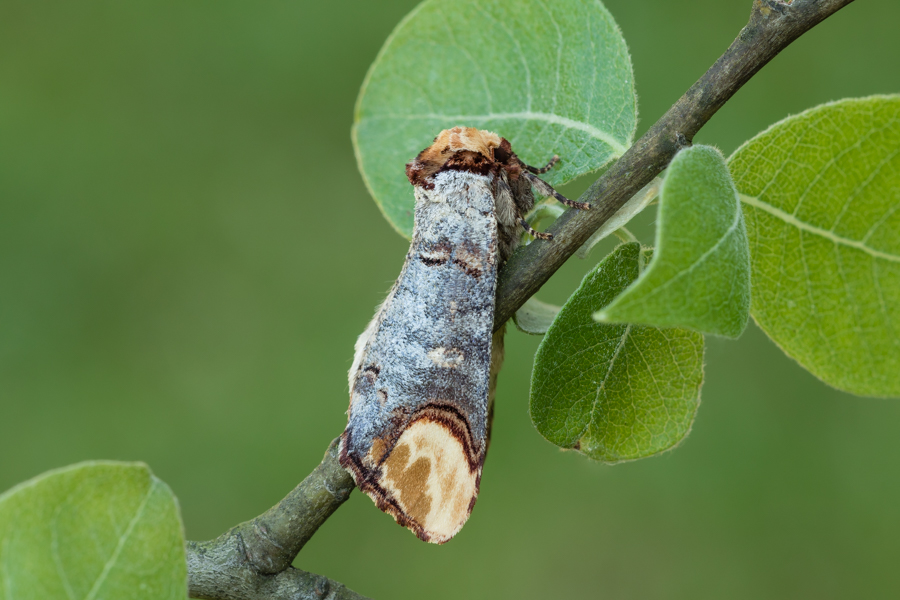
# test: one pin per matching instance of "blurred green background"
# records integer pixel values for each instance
(187, 253)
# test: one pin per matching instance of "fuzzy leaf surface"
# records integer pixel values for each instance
(699, 277)
(551, 77)
(614, 392)
(821, 195)
(93, 531)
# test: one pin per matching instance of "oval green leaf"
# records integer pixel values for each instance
(614, 392)
(552, 77)
(821, 195)
(94, 531)
(699, 277)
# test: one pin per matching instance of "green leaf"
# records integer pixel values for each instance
(614, 392)
(552, 77)
(92, 531)
(699, 277)
(535, 316)
(821, 195)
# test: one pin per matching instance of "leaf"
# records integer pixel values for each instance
(535, 316)
(821, 195)
(699, 277)
(92, 531)
(552, 77)
(620, 218)
(614, 392)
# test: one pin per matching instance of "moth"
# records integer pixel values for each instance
(424, 370)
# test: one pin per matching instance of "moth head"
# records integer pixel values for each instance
(467, 138)
(448, 145)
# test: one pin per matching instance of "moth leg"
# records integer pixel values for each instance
(537, 234)
(545, 189)
(544, 169)
(506, 203)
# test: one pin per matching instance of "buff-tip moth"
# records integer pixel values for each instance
(424, 371)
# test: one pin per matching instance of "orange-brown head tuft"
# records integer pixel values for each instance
(477, 146)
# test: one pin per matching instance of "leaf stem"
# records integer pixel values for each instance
(625, 235)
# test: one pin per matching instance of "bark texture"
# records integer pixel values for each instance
(253, 560)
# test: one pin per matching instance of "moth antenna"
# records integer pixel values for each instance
(545, 189)
(544, 169)
(535, 234)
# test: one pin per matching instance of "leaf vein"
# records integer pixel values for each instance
(54, 548)
(555, 119)
(475, 63)
(612, 363)
(515, 40)
(887, 215)
(863, 185)
(700, 259)
(803, 226)
(114, 557)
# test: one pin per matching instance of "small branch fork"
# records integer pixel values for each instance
(253, 560)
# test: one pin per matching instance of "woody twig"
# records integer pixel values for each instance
(773, 25)
(253, 560)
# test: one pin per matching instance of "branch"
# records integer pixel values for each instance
(253, 560)
(773, 26)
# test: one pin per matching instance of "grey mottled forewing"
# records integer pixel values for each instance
(429, 353)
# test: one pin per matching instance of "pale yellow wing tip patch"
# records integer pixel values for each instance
(430, 477)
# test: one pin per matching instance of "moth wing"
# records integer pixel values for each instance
(417, 431)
